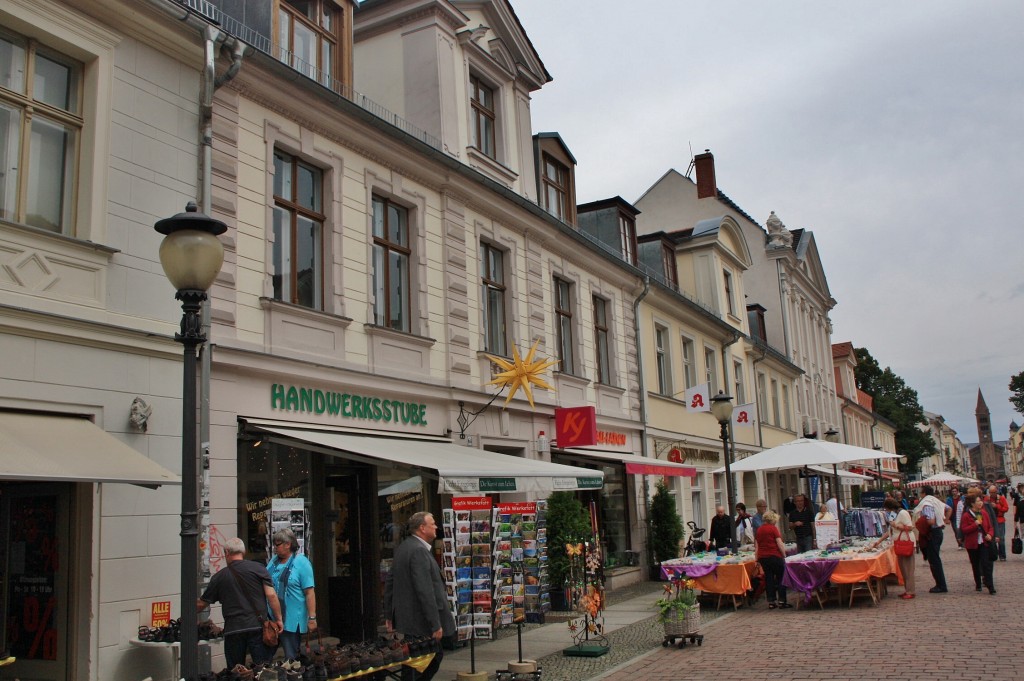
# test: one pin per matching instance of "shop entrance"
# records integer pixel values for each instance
(34, 578)
(352, 577)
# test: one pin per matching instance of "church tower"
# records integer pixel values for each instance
(988, 462)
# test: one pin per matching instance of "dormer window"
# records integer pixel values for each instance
(627, 238)
(556, 188)
(307, 35)
(668, 265)
(483, 122)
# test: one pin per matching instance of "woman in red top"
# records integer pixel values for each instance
(771, 554)
(977, 531)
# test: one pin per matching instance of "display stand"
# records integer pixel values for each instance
(585, 595)
(174, 647)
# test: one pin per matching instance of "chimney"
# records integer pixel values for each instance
(705, 165)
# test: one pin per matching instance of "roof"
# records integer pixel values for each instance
(844, 349)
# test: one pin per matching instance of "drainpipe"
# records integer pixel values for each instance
(643, 413)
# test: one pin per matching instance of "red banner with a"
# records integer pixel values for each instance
(576, 427)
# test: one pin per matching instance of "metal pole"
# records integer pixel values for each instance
(191, 337)
(729, 492)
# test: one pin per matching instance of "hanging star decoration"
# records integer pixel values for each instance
(520, 373)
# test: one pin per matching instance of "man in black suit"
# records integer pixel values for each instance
(414, 593)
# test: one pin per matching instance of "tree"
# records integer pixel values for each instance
(567, 523)
(666, 526)
(897, 402)
(1017, 388)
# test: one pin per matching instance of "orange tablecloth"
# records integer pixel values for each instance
(860, 569)
(730, 579)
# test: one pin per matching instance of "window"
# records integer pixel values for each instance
(40, 129)
(307, 35)
(741, 394)
(689, 366)
(298, 232)
(482, 124)
(775, 403)
(785, 408)
(563, 324)
(556, 188)
(730, 296)
(710, 371)
(668, 265)
(390, 265)
(601, 345)
(662, 360)
(492, 267)
(627, 239)
(762, 394)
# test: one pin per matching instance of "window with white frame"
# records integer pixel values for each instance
(689, 363)
(307, 37)
(482, 126)
(602, 343)
(391, 258)
(627, 238)
(662, 360)
(775, 403)
(563, 324)
(740, 392)
(555, 179)
(730, 294)
(492, 277)
(40, 133)
(711, 370)
(762, 393)
(297, 273)
(668, 265)
(787, 424)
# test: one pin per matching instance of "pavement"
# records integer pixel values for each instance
(966, 630)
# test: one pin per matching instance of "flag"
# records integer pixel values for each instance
(744, 416)
(698, 397)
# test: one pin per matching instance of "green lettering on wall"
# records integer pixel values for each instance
(293, 399)
(305, 399)
(319, 402)
(333, 403)
(277, 396)
(387, 411)
(376, 409)
(347, 405)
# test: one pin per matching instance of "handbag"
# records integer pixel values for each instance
(269, 628)
(903, 547)
(1018, 545)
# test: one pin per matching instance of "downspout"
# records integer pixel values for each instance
(643, 414)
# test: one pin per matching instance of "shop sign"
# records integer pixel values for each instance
(471, 503)
(684, 454)
(575, 427)
(497, 484)
(517, 507)
(160, 614)
(590, 483)
(610, 437)
(346, 405)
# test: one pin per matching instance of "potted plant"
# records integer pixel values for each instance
(678, 608)
(666, 530)
(567, 522)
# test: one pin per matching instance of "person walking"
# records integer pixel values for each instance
(801, 519)
(978, 535)
(244, 590)
(936, 516)
(1001, 506)
(415, 602)
(292, 575)
(901, 526)
(721, 529)
(771, 554)
(956, 502)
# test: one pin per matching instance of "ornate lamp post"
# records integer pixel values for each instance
(721, 409)
(191, 256)
(878, 465)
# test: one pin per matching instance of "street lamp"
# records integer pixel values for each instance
(832, 435)
(721, 409)
(191, 255)
(878, 465)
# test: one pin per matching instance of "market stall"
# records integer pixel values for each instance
(722, 575)
(855, 567)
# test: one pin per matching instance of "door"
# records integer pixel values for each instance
(350, 582)
(34, 578)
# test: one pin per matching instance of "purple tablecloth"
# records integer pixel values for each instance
(808, 576)
(692, 571)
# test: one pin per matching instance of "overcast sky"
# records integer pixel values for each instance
(893, 130)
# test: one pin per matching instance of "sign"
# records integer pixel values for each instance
(160, 614)
(289, 514)
(346, 405)
(681, 455)
(826, 532)
(575, 427)
(516, 507)
(471, 503)
(698, 397)
(609, 437)
(744, 416)
(497, 484)
(815, 483)
(872, 499)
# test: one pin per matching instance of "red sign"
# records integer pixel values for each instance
(161, 614)
(471, 503)
(576, 427)
(608, 437)
(518, 507)
(676, 455)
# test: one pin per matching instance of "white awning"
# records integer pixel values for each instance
(461, 470)
(636, 465)
(71, 449)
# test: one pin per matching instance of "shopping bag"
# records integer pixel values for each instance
(1018, 545)
(903, 547)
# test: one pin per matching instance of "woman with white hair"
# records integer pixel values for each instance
(292, 575)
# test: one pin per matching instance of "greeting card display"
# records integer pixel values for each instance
(468, 567)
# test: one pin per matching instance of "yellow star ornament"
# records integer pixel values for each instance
(520, 373)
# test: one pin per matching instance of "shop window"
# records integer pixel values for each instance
(307, 37)
(391, 258)
(298, 232)
(601, 341)
(563, 325)
(482, 125)
(555, 180)
(492, 266)
(40, 131)
(267, 471)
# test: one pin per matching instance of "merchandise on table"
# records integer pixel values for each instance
(864, 522)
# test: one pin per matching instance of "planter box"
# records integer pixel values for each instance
(686, 626)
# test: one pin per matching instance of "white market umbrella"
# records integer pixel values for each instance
(805, 452)
(942, 479)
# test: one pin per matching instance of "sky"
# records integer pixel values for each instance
(893, 130)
